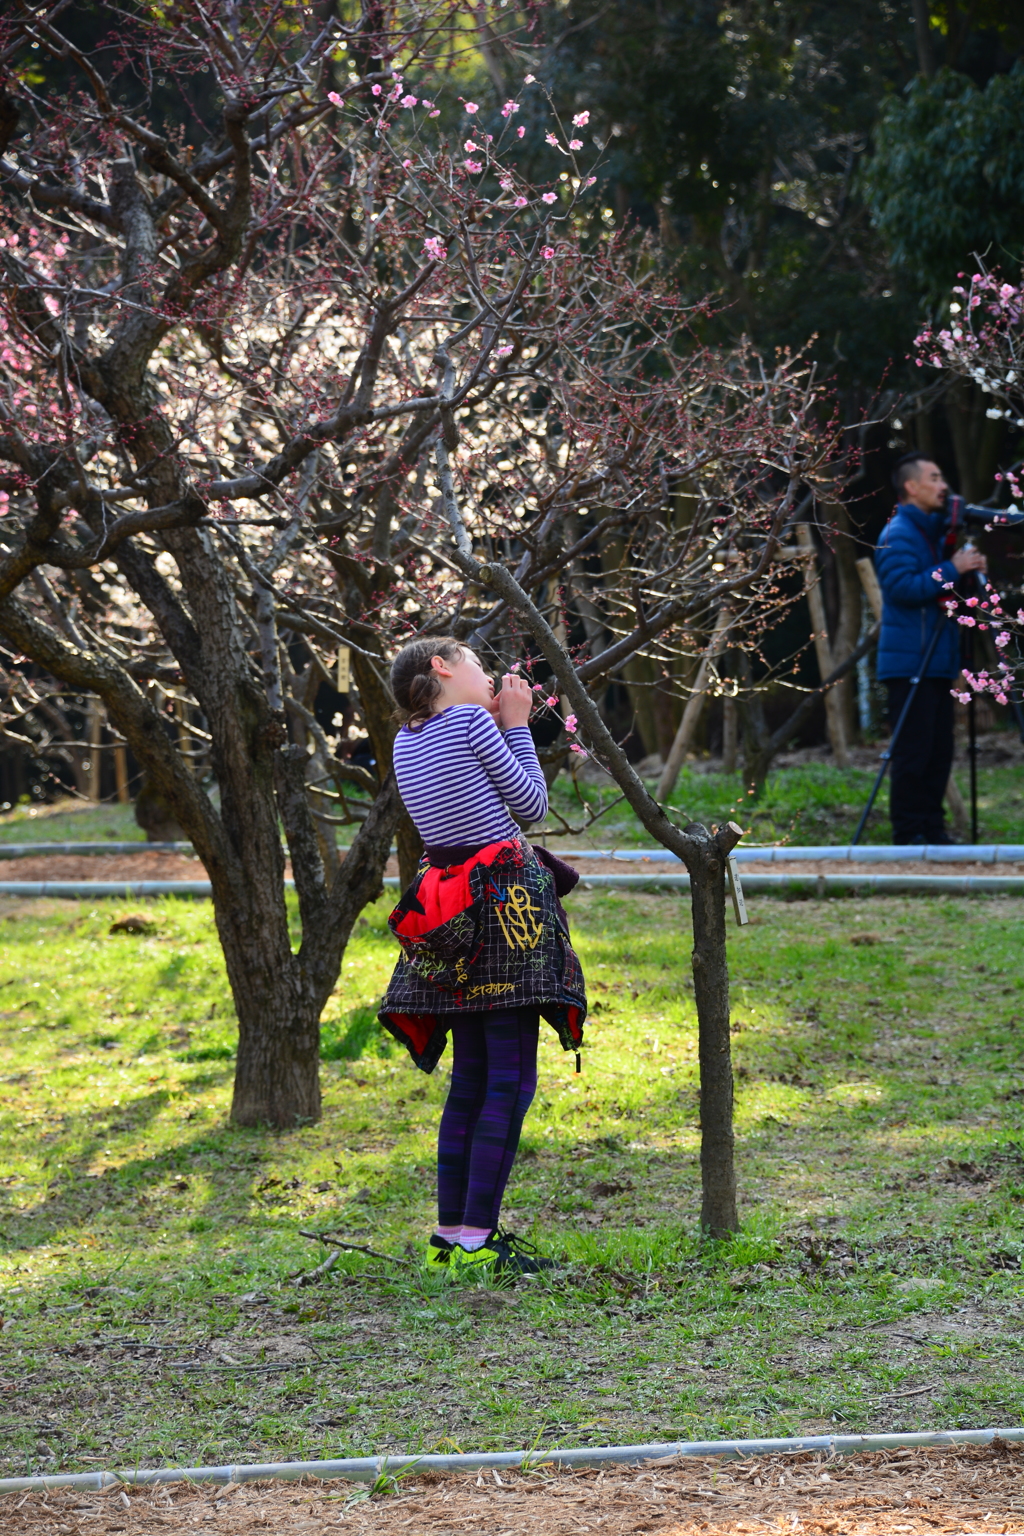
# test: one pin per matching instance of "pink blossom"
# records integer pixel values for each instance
(549, 138)
(521, 202)
(335, 99)
(520, 132)
(972, 602)
(375, 90)
(551, 701)
(473, 167)
(406, 164)
(966, 618)
(570, 722)
(509, 108)
(1002, 639)
(436, 112)
(964, 698)
(1000, 698)
(590, 181)
(425, 103)
(575, 143)
(574, 746)
(581, 119)
(529, 79)
(503, 351)
(549, 197)
(409, 101)
(470, 146)
(472, 106)
(538, 687)
(506, 183)
(434, 249)
(548, 252)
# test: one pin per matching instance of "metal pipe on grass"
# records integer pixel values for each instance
(790, 883)
(365, 1469)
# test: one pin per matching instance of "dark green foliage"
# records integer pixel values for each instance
(947, 177)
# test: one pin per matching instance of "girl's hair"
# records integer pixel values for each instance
(414, 682)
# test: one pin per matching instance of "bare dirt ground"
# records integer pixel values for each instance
(908, 1493)
(104, 866)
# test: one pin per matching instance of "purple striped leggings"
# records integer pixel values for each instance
(494, 1079)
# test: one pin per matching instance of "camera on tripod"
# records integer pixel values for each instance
(961, 514)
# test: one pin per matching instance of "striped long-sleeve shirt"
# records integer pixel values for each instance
(459, 777)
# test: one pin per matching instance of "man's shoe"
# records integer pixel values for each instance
(439, 1250)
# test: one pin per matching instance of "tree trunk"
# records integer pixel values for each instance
(277, 1073)
(923, 38)
(816, 603)
(718, 1217)
(410, 850)
(977, 441)
(848, 627)
(730, 741)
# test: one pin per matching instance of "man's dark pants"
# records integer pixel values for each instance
(921, 759)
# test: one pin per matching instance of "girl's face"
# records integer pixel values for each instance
(463, 681)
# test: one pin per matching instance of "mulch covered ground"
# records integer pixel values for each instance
(973, 1489)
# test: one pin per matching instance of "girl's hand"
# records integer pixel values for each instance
(514, 701)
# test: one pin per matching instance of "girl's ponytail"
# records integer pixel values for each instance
(414, 683)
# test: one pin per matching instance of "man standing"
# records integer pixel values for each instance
(911, 572)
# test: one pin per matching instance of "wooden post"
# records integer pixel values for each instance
(95, 717)
(869, 581)
(121, 773)
(816, 603)
(694, 705)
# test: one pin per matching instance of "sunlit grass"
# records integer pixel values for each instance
(130, 1209)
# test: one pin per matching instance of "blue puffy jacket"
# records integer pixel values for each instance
(907, 554)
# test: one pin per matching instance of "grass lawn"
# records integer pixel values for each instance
(147, 1246)
(815, 803)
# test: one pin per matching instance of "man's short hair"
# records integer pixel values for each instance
(907, 468)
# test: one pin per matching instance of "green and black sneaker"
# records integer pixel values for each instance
(439, 1250)
(506, 1252)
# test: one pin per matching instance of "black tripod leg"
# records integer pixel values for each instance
(874, 792)
(972, 752)
(887, 756)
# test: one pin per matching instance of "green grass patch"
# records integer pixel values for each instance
(814, 804)
(147, 1244)
(66, 821)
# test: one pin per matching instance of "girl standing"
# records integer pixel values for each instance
(485, 943)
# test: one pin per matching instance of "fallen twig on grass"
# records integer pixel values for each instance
(337, 1242)
(911, 1391)
(310, 1276)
